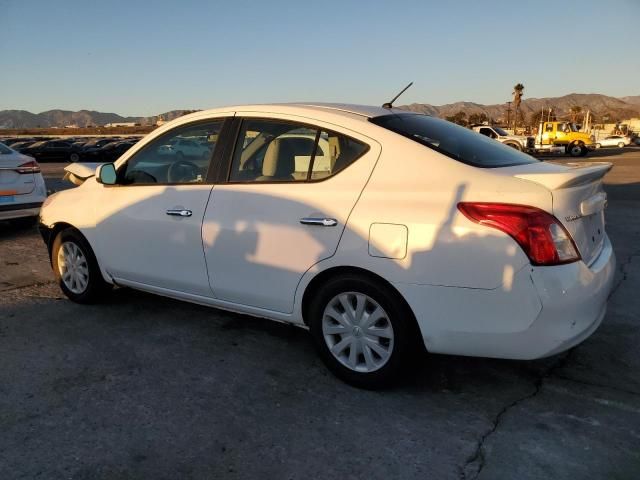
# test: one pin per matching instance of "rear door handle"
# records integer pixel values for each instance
(322, 222)
(179, 212)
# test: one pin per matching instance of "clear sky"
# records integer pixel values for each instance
(147, 57)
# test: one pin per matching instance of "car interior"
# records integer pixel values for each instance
(266, 151)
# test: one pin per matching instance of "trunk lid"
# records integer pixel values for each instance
(579, 199)
(12, 182)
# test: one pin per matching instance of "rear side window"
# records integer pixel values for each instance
(454, 141)
(282, 151)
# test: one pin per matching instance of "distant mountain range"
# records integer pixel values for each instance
(599, 105)
(615, 108)
(83, 118)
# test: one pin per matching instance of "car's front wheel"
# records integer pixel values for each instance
(363, 332)
(76, 268)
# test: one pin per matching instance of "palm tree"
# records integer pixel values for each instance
(518, 90)
(574, 112)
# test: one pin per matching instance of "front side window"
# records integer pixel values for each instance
(453, 140)
(487, 132)
(181, 156)
(280, 151)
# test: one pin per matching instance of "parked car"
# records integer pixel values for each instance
(87, 150)
(519, 142)
(18, 146)
(109, 152)
(185, 147)
(51, 151)
(9, 142)
(613, 141)
(417, 234)
(22, 188)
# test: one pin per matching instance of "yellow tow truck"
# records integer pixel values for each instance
(558, 136)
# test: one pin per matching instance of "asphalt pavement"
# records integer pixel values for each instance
(146, 387)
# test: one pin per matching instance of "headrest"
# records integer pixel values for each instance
(279, 159)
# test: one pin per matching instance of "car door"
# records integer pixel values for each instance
(149, 224)
(278, 212)
(53, 151)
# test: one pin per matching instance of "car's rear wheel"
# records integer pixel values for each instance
(514, 145)
(576, 150)
(76, 268)
(74, 157)
(363, 332)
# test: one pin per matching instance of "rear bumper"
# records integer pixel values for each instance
(19, 210)
(542, 311)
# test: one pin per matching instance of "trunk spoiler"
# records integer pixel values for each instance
(568, 175)
(78, 173)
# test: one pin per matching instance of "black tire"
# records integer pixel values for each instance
(96, 287)
(24, 222)
(74, 157)
(514, 145)
(405, 331)
(577, 150)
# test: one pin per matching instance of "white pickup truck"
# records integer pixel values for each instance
(519, 142)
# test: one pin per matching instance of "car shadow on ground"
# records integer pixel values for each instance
(11, 231)
(428, 372)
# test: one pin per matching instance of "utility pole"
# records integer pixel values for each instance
(508, 114)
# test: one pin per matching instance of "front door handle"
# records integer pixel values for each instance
(322, 222)
(179, 212)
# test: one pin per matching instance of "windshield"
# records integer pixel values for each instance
(501, 132)
(454, 141)
(4, 150)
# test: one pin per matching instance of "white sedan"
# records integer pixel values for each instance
(407, 233)
(613, 141)
(22, 188)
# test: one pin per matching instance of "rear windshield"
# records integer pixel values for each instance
(454, 141)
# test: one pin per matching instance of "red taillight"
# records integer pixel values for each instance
(542, 237)
(29, 167)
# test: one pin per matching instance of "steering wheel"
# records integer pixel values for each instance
(182, 171)
(139, 176)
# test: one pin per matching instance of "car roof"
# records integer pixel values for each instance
(351, 110)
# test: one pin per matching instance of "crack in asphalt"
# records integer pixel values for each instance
(475, 463)
(623, 270)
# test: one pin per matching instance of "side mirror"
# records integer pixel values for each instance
(106, 174)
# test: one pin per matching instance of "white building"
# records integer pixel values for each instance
(122, 124)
